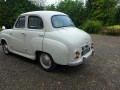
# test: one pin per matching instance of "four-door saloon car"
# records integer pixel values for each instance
(49, 37)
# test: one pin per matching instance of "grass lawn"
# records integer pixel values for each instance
(111, 30)
(0, 29)
(114, 27)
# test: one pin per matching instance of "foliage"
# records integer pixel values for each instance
(90, 17)
(39, 3)
(73, 8)
(107, 11)
(92, 26)
(117, 15)
(103, 10)
(89, 8)
(114, 27)
(51, 7)
(0, 29)
(10, 10)
(114, 30)
(111, 30)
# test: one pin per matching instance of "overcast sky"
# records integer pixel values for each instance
(53, 1)
(47, 1)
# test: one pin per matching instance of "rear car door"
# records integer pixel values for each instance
(34, 34)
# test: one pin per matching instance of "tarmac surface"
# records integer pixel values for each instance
(101, 72)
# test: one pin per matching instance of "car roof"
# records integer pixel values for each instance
(44, 13)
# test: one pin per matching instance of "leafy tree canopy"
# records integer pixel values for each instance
(10, 10)
(74, 8)
(103, 10)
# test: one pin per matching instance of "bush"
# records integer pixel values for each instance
(111, 30)
(114, 27)
(0, 29)
(80, 27)
(92, 26)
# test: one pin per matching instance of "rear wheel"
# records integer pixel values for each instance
(46, 62)
(5, 48)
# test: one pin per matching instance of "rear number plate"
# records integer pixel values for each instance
(85, 49)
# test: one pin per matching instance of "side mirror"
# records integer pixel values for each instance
(3, 27)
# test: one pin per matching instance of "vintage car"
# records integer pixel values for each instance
(50, 37)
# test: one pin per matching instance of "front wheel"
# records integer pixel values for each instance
(5, 48)
(46, 62)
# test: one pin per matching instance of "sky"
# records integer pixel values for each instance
(52, 1)
(47, 2)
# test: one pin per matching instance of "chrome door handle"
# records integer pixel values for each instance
(23, 33)
(41, 35)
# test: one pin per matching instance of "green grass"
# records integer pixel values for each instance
(111, 30)
(0, 29)
(114, 27)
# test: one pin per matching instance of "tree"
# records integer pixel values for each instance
(39, 2)
(117, 15)
(103, 10)
(51, 7)
(89, 8)
(74, 9)
(10, 10)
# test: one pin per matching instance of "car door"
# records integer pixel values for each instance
(34, 34)
(18, 35)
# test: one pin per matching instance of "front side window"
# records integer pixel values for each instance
(21, 22)
(59, 21)
(35, 22)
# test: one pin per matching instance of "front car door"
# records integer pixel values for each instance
(18, 35)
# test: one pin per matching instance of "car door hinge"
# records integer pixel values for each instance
(26, 50)
(41, 35)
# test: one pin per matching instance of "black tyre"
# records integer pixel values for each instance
(5, 48)
(46, 62)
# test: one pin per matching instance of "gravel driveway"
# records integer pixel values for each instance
(101, 72)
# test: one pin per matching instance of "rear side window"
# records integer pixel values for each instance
(35, 22)
(59, 21)
(21, 22)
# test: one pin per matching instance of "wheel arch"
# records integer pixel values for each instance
(40, 52)
(3, 40)
(52, 64)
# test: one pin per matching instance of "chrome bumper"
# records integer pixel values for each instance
(83, 59)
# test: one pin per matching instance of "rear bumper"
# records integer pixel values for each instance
(81, 60)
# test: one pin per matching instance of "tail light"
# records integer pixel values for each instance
(92, 45)
(77, 54)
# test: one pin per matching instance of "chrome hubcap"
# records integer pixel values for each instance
(45, 61)
(5, 48)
